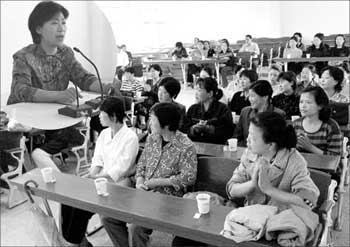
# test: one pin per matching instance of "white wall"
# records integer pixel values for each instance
(146, 24)
(87, 28)
(311, 17)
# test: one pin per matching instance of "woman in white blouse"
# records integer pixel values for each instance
(114, 158)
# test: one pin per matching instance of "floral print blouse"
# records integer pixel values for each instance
(177, 160)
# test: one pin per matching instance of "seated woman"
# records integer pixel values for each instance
(318, 49)
(179, 51)
(300, 43)
(210, 50)
(292, 51)
(197, 54)
(274, 72)
(228, 66)
(240, 99)
(308, 77)
(287, 100)
(168, 165)
(129, 84)
(317, 132)
(260, 94)
(209, 120)
(169, 89)
(272, 171)
(250, 46)
(151, 94)
(339, 49)
(331, 82)
(114, 159)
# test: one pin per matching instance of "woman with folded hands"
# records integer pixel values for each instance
(272, 171)
(209, 120)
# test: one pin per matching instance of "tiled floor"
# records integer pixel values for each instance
(17, 225)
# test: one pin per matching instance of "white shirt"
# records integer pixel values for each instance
(252, 47)
(116, 156)
(122, 58)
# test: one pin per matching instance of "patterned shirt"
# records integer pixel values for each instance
(328, 138)
(131, 86)
(177, 160)
(288, 103)
(340, 98)
(33, 70)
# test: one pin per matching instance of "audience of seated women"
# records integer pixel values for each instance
(316, 131)
(169, 89)
(227, 66)
(168, 165)
(308, 77)
(114, 158)
(300, 44)
(318, 49)
(287, 100)
(179, 51)
(272, 171)
(260, 94)
(331, 82)
(209, 120)
(240, 98)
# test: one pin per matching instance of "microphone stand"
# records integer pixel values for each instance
(94, 103)
(73, 111)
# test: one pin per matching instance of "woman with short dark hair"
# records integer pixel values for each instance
(168, 165)
(209, 120)
(331, 82)
(271, 154)
(260, 94)
(169, 89)
(240, 99)
(318, 49)
(287, 100)
(317, 132)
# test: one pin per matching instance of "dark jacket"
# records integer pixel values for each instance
(180, 54)
(342, 52)
(219, 120)
(238, 102)
(241, 131)
(288, 103)
(322, 51)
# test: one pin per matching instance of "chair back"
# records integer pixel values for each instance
(322, 180)
(213, 173)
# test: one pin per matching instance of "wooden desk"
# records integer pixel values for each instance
(183, 63)
(153, 210)
(327, 163)
(309, 60)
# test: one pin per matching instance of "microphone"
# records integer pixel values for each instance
(72, 110)
(94, 102)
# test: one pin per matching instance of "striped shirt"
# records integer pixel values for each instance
(131, 86)
(328, 138)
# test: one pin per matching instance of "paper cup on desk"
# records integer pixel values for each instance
(203, 203)
(101, 186)
(138, 94)
(308, 55)
(232, 144)
(295, 118)
(47, 174)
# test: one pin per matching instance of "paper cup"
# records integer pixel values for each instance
(203, 203)
(138, 94)
(47, 174)
(289, 56)
(295, 118)
(232, 144)
(308, 55)
(101, 186)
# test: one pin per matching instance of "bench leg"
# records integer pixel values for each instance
(15, 197)
(338, 219)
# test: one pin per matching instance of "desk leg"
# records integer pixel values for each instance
(285, 66)
(217, 69)
(183, 69)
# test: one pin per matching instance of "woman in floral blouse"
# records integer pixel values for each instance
(168, 165)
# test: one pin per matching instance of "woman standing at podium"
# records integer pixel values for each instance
(42, 71)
